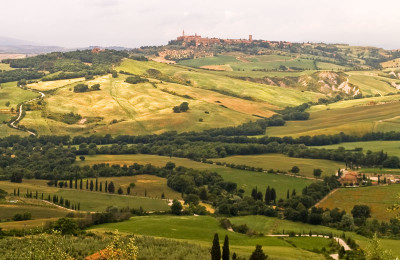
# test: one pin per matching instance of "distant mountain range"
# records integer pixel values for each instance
(11, 45)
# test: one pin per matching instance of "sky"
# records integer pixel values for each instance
(133, 23)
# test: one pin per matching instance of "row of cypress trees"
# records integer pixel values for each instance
(258, 253)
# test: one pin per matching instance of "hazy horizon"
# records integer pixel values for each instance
(132, 24)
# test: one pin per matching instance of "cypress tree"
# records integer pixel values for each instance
(97, 184)
(81, 184)
(254, 193)
(36, 195)
(128, 190)
(76, 183)
(258, 254)
(87, 184)
(91, 185)
(70, 182)
(18, 192)
(106, 187)
(215, 250)
(15, 192)
(268, 196)
(111, 187)
(55, 183)
(293, 193)
(225, 249)
(273, 195)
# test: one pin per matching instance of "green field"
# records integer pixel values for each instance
(378, 198)
(91, 200)
(390, 147)
(246, 180)
(282, 162)
(138, 109)
(145, 185)
(268, 225)
(214, 81)
(355, 103)
(9, 92)
(201, 230)
(370, 83)
(248, 63)
(352, 120)
(38, 208)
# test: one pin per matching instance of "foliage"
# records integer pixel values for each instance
(119, 249)
(258, 254)
(215, 249)
(135, 80)
(176, 207)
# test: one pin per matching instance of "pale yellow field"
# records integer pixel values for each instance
(140, 109)
(49, 85)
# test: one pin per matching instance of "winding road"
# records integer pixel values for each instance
(13, 123)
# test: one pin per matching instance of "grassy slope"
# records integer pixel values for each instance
(9, 92)
(49, 85)
(4, 66)
(282, 162)
(205, 80)
(391, 147)
(201, 230)
(140, 109)
(355, 103)
(352, 120)
(38, 208)
(378, 198)
(246, 180)
(268, 225)
(248, 63)
(89, 201)
(149, 185)
(371, 83)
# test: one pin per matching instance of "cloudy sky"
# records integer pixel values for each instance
(133, 23)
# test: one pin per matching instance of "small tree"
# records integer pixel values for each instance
(111, 187)
(120, 191)
(225, 249)
(176, 207)
(317, 173)
(258, 254)
(215, 249)
(295, 169)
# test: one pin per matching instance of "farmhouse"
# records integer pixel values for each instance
(349, 177)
